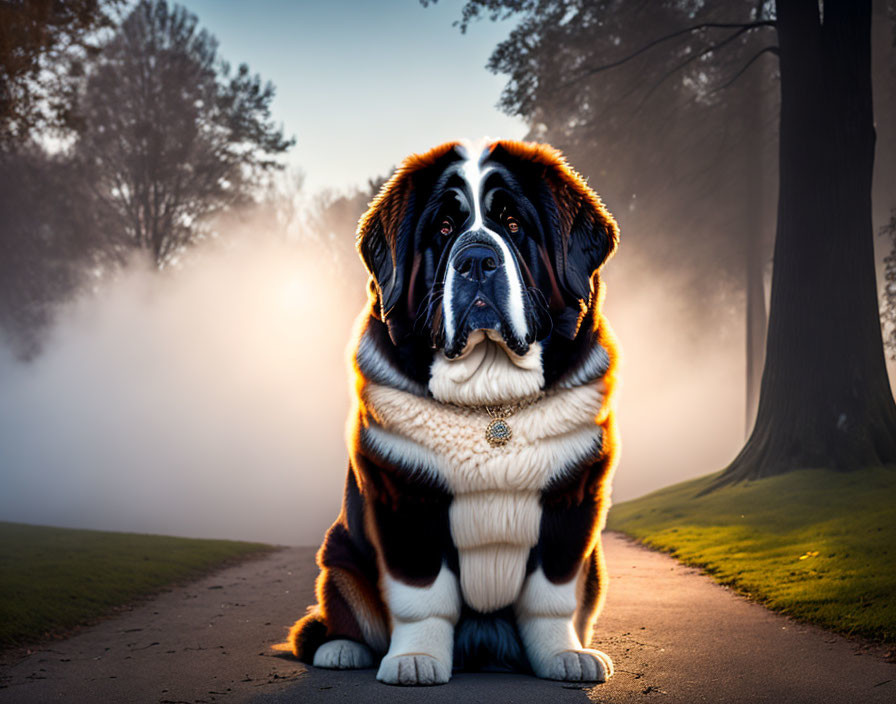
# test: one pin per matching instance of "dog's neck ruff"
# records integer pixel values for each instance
(489, 374)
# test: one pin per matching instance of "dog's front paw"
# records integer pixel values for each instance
(343, 654)
(577, 666)
(413, 669)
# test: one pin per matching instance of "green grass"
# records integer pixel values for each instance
(54, 579)
(814, 544)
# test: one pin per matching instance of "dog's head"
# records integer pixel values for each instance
(504, 242)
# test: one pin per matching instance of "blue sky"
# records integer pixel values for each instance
(363, 84)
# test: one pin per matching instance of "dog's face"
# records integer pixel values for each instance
(502, 242)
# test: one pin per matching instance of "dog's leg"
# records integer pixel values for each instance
(561, 598)
(407, 518)
(545, 614)
(423, 620)
(347, 627)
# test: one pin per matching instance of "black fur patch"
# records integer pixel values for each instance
(489, 642)
(411, 517)
(569, 517)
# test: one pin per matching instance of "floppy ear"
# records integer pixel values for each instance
(588, 235)
(380, 240)
(580, 231)
(385, 237)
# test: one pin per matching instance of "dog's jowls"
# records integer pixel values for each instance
(482, 440)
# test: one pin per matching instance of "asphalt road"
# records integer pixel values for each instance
(673, 634)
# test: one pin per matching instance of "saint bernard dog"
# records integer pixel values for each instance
(482, 439)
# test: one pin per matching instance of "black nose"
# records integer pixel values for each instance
(476, 262)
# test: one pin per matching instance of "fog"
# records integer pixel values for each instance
(206, 401)
(682, 393)
(209, 400)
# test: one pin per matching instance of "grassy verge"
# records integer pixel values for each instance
(817, 545)
(53, 579)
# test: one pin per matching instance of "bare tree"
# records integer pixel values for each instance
(825, 399)
(334, 218)
(171, 135)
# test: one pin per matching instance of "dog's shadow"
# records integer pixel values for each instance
(319, 685)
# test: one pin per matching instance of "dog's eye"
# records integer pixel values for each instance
(512, 224)
(446, 227)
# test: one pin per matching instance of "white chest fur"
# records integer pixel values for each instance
(496, 512)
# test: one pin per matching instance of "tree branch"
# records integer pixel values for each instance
(694, 57)
(742, 26)
(773, 49)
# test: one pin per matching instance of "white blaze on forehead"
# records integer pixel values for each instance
(474, 174)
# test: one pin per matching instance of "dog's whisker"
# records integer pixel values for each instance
(428, 306)
(539, 313)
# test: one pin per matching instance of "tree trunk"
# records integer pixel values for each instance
(825, 399)
(756, 320)
(754, 253)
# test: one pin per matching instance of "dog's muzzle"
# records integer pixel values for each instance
(483, 291)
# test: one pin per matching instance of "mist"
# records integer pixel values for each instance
(210, 399)
(207, 400)
(682, 393)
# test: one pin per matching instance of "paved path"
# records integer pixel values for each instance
(674, 636)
